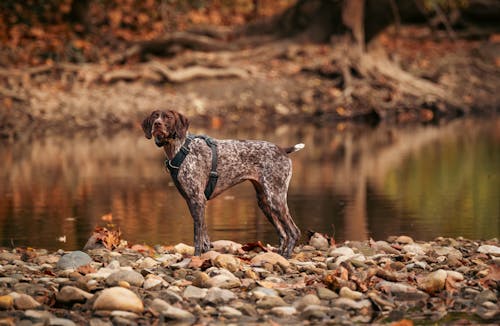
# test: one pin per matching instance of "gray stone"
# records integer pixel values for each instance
(489, 249)
(326, 294)
(38, 315)
(346, 303)
(131, 277)
(229, 312)
(193, 292)
(216, 295)
(284, 311)
(270, 302)
(177, 314)
(345, 292)
(261, 292)
(314, 312)
(73, 260)
(307, 300)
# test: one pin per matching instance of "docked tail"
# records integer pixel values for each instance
(294, 148)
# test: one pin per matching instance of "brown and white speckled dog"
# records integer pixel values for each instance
(265, 164)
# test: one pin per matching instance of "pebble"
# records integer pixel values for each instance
(229, 312)
(23, 301)
(326, 294)
(73, 260)
(118, 298)
(193, 292)
(184, 249)
(227, 246)
(319, 242)
(433, 282)
(175, 313)
(307, 300)
(283, 311)
(6, 302)
(228, 262)
(345, 292)
(131, 277)
(71, 294)
(216, 295)
(489, 249)
(268, 302)
(271, 258)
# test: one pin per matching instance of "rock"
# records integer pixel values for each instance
(175, 313)
(224, 279)
(159, 305)
(401, 291)
(193, 292)
(38, 315)
(345, 292)
(285, 311)
(486, 295)
(216, 295)
(73, 260)
(346, 303)
(229, 312)
(118, 298)
(6, 302)
(326, 294)
(228, 262)
(385, 247)
(147, 262)
(131, 277)
(227, 246)
(61, 322)
(403, 239)
(341, 251)
(413, 248)
(319, 241)
(153, 281)
(169, 259)
(271, 258)
(202, 280)
(270, 302)
(307, 300)
(184, 249)
(489, 249)
(315, 312)
(71, 294)
(433, 282)
(261, 292)
(23, 301)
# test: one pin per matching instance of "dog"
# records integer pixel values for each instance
(202, 168)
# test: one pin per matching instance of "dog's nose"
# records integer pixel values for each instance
(157, 124)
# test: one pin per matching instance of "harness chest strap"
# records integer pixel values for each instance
(174, 164)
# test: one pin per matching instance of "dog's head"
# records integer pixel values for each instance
(165, 126)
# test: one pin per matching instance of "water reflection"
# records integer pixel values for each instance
(352, 181)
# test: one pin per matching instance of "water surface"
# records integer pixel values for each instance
(354, 182)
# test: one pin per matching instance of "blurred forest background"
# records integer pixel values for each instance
(102, 64)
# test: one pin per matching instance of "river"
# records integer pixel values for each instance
(350, 181)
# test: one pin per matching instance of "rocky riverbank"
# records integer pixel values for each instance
(398, 280)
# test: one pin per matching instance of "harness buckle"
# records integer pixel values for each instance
(169, 165)
(214, 174)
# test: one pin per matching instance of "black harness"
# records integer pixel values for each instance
(174, 164)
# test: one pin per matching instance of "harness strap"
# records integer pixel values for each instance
(174, 164)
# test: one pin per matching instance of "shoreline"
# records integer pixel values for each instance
(445, 280)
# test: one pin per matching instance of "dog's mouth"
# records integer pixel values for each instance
(160, 138)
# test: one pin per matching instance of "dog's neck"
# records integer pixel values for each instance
(173, 146)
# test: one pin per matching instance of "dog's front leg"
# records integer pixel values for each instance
(201, 239)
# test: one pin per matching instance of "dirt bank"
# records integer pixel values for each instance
(281, 81)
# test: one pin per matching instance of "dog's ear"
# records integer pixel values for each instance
(147, 125)
(181, 125)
